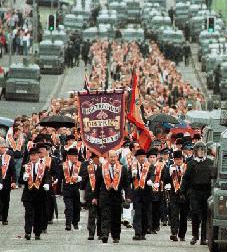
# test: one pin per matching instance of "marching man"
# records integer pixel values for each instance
(35, 176)
(140, 176)
(7, 181)
(111, 180)
(71, 175)
(172, 178)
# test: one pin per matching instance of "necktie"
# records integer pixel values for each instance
(34, 173)
(41, 160)
(71, 170)
(112, 171)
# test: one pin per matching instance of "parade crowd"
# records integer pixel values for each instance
(168, 184)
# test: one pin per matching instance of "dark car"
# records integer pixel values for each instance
(5, 124)
(48, 2)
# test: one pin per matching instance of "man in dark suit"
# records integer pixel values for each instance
(71, 176)
(110, 181)
(7, 181)
(140, 177)
(52, 166)
(90, 169)
(35, 177)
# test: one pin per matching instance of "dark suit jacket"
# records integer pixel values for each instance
(111, 196)
(10, 175)
(85, 184)
(142, 195)
(70, 190)
(31, 195)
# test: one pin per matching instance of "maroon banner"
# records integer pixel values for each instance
(102, 118)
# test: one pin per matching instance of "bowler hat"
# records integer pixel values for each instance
(33, 151)
(140, 152)
(177, 154)
(72, 152)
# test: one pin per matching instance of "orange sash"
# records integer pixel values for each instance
(158, 172)
(140, 183)
(175, 178)
(39, 176)
(129, 159)
(107, 179)
(16, 145)
(91, 173)
(76, 169)
(5, 164)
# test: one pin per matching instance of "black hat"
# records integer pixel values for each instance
(179, 135)
(70, 137)
(39, 138)
(72, 151)
(165, 151)
(177, 154)
(33, 151)
(93, 155)
(179, 141)
(152, 152)
(43, 145)
(187, 139)
(197, 136)
(140, 152)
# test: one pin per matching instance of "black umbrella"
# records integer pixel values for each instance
(197, 125)
(163, 118)
(57, 121)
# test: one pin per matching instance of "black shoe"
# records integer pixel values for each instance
(125, 222)
(136, 237)
(129, 225)
(75, 226)
(5, 223)
(90, 237)
(203, 242)
(148, 231)
(158, 229)
(182, 239)
(173, 238)
(44, 231)
(142, 238)
(27, 237)
(164, 223)
(193, 240)
(37, 237)
(68, 228)
(99, 237)
(50, 222)
(153, 232)
(104, 239)
(115, 240)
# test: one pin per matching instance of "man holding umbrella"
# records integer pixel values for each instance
(71, 176)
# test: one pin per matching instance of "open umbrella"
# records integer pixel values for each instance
(57, 121)
(163, 118)
(197, 125)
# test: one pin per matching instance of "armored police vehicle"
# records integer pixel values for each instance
(51, 56)
(23, 82)
(217, 203)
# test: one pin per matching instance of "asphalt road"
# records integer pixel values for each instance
(59, 240)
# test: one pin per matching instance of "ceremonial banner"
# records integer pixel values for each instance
(102, 118)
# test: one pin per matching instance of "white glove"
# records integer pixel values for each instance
(25, 176)
(82, 196)
(150, 183)
(1, 186)
(46, 187)
(134, 173)
(168, 187)
(156, 185)
(79, 179)
(55, 182)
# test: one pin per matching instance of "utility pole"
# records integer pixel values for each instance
(35, 24)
